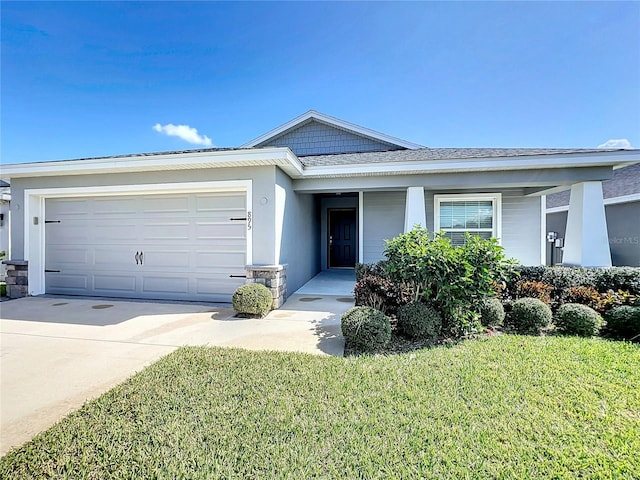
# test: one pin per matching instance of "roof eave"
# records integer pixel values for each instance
(282, 157)
(468, 165)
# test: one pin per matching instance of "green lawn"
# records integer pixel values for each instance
(502, 407)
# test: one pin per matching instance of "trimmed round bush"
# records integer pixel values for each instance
(365, 328)
(491, 312)
(417, 320)
(623, 323)
(578, 319)
(252, 299)
(530, 316)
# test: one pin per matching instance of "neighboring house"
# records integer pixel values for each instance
(313, 194)
(5, 200)
(622, 208)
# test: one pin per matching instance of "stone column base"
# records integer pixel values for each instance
(17, 278)
(274, 277)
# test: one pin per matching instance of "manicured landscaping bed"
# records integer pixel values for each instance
(500, 407)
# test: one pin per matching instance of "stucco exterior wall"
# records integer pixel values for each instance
(263, 186)
(298, 231)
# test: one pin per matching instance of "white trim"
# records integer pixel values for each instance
(361, 226)
(634, 197)
(484, 164)
(496, 199)
(34, 206)
(543, 230)
(282, 157)
(331, 121)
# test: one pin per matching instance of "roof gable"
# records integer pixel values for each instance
(315, 133)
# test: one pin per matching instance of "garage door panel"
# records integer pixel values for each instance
(68, 207)
(113, 257)
(165, 284)
(114, 283)
(190, 246)
(166, 204)
(179, 231)
(220, 202)
(67, 282)
(70, 256)
(114, 206)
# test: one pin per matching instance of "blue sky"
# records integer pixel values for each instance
(92, 79)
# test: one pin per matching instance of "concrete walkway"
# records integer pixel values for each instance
(58, 352)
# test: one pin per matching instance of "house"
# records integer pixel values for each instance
(5, 200)
(315, 193)
(622, 209)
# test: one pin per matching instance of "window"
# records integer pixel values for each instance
(476, 214)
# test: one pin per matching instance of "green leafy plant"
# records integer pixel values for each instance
(530, 316)
(623, 323)
(252, 299)
(417, 320)
(617, 278)
(611, 299)
(452, 279)
(364, 269)
(491, 312)
(578, 319)
(365, 328)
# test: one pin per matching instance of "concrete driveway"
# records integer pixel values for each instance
(58, 352)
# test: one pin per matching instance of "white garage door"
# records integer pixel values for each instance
(179, 246)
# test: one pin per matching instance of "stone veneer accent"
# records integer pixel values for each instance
(17, 278)
(274, 277)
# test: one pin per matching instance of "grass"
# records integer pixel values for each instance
(502, 407)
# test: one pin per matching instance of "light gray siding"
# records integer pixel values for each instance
(300, 244)
(316, 138)
(383, 219)
(521, 228)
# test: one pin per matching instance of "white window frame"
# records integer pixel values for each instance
(495, 198)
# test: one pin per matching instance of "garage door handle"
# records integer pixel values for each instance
(141, 257)
(137, 257)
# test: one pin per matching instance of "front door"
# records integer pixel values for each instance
(342, 237)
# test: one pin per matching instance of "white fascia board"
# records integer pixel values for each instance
(466, 165)
(282, 157)
(336, 122)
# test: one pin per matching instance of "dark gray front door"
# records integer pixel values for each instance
(342, 238)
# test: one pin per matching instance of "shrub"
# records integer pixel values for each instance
(623, 323)
(252, 299)
(365, 328)
(491, 312)
(611, 299)
(530, 316)
(382, 294)
(578, 319)
(364, 269)
(532, 289)
(452, 279)
(617, 278)
(584, 295)
(417, 320)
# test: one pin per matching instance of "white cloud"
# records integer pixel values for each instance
(185, 132)
(616, 143)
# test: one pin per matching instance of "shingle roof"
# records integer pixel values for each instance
(426, 154)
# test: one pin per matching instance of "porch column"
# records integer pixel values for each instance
(586, 240)
(414, 211)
